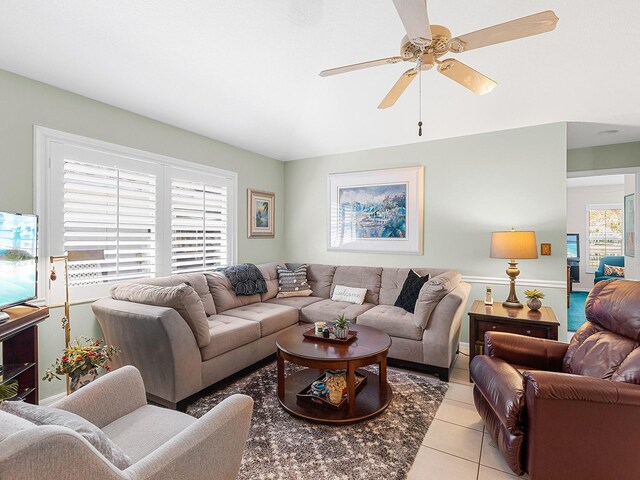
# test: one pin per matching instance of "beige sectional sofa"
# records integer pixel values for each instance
(176, 360)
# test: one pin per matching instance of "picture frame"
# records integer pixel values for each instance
(630, 225)
(261, 207)
(379, 211)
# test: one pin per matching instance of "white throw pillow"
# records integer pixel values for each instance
(349, 294)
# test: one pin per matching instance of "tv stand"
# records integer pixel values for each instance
(30, 305)
(19, 338)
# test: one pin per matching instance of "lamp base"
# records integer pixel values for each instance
(512, 305)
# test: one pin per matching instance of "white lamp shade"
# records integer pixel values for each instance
(514, 245)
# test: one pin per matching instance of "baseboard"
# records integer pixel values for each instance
(464, 345)
(52, 399)
(585, 290)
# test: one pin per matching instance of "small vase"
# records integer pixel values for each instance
(341, 332)
(534, 304)
(78, 381)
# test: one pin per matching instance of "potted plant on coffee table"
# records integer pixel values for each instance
(341, 327)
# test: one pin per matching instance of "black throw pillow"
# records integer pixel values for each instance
(410, 291)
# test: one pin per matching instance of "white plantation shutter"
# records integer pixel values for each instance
(111, 210)
(145, 215)
(199, 230)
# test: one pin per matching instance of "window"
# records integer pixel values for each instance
(604, 232)
(144, 215)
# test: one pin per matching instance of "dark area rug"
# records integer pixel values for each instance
(281, 446)
(576, 311)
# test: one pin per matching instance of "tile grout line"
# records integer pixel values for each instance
(457, 425)
(451, 454)
(480, 458)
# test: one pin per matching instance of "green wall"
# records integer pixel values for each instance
(473, 186)
(25, 103)
(622, 155)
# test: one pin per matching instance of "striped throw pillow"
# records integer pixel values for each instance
(293, 283)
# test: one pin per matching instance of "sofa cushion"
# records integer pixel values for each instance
(10, 424)
(228, 333)
(144, 430)
(293, 283)
(295, 302)
(197, 280)
(615, 305)
(270, 317)
(432, 292)
(394, 321)
(360, 277)
(246, 279)
(348, 294)
(182, 298)
(223, 295)
(328, 310)
(393, 279)
(270, 275)
(410, 291)
(320, 278)
(41, 415)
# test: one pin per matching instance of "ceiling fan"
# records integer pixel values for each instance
(424, 44)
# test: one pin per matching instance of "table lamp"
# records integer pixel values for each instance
(513, 245)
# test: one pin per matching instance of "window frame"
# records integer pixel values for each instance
(598, 206)
(47, 140)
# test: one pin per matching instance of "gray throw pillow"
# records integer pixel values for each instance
(293, 283)
(40, 415)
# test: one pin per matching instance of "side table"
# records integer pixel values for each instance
(497, 318)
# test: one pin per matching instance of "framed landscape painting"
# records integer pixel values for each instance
(630, 225)
(261, 214)
(376, 211)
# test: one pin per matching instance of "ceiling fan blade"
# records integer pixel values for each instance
(415, 19)
(360, 66)
(466, 76)
(522, 27)
(399, 88)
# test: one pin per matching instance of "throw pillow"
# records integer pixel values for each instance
(433, 291)
(182, 298)
(293, 283)
(613, 271)
(349, 294)
(245, 279)
(40, 415)
(410, 291)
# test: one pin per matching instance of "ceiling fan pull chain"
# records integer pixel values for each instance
(420, 104)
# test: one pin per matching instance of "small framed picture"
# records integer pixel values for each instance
(261, 214)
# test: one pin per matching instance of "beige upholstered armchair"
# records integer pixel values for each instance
(161, 443)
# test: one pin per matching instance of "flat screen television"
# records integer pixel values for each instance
(18, 258)
(573, 246)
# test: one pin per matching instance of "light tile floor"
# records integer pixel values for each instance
(456, 446)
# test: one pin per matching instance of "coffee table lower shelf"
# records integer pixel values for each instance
(370, 401)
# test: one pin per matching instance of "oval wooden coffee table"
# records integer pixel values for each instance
(370, 347)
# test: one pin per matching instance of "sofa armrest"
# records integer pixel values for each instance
(209, 449)
(580, 427)
(158, 342)
(441, 337)
(108, 398)
(535, 353)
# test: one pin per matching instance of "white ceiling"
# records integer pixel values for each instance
(246, 71)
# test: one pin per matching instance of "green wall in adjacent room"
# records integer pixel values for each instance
(621, 155)
(25, 103)
(473, 185)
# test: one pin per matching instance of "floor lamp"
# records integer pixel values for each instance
(72, 256)
(513, 245)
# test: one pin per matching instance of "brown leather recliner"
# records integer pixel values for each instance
(565, 411)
